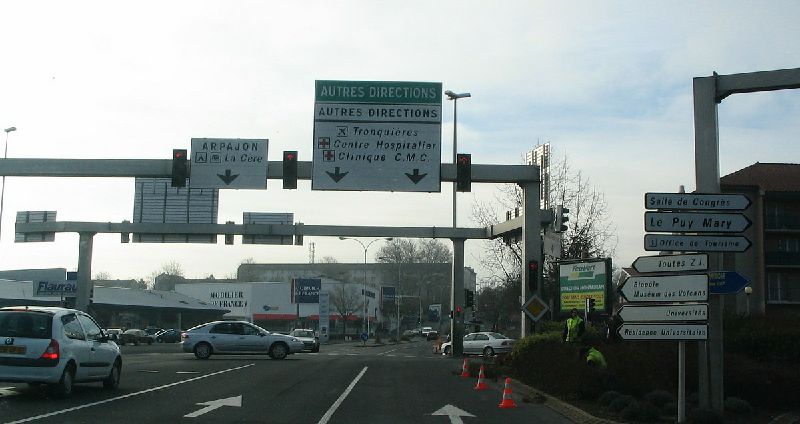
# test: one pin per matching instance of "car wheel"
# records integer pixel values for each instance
(315, 349)
(65, 385)
(488, 352)
(202, 351)
(447, 350)
(278, 351)
(160, 340)
(136, 342)
(112, 381)
(149, 342)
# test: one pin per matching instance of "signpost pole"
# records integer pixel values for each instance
(531, 250)
(84, 287)
(681, 381)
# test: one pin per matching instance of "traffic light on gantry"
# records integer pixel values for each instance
(562, 216)
(463, 172)
(469, 298)
(180, 169)
(290, 169)
(533, 275)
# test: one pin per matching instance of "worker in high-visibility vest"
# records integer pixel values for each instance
(594, 358)
(573, 328)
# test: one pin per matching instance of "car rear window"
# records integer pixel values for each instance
(32, 325)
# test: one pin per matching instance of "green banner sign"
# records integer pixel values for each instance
(394, 92)
(581, 280)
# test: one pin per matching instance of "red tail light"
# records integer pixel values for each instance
(52, 351)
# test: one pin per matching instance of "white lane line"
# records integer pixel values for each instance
(325, 418)
(351, 354)
(150, 371)
(391, 356)
(388, 351)
(187, 372)
(89, 405)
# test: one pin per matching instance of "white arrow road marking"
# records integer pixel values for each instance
(325, 418)
(454, 413)
(8, 391)
(214, 404)
(125, 396)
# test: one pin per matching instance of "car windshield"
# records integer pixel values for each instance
(302, 333)
(34, 325)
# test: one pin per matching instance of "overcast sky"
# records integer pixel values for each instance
(609, 84)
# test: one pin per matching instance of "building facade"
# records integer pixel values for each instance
(772, 263)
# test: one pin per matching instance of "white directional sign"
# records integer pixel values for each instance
(690, 243)
(377, 136)
(665, 288)
(671, 263)
(696, 201)
(663, 331)
(664, 313)
(233, 163)
(687, 222)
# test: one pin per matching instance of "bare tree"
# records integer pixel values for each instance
(346, 301)
(329, 260)
(424, 251)
(102, 275)
(589, 230)
(171, 268)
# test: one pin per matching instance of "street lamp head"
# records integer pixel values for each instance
(453, 96)
(9, 129)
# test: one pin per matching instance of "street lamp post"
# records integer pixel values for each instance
(3, 192)
(454, 97)
(396, 296)
(366, 247)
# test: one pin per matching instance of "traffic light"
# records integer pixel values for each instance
(533, 275)
(290, 169)
(229, 237)
(561, 219)
(459, 310)
(590, 302)
(180, 169)
(463, 172)
(469, 298)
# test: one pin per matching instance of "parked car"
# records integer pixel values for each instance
(309, 339)
(486, 343)
(135, 336)
(237, 337)
(168, 336)
(113, 333)
(425, 330)
(432, 335)
(53, 346)
(152, 330)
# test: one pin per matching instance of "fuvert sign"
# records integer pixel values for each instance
(377, 136)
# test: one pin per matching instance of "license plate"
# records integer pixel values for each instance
(16, 350)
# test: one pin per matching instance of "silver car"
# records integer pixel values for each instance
(57, 347)
(486, 343)
(237, 337)
(309, 339)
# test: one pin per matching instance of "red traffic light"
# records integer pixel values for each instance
(290, 156)
(533, 266)
(458, 309)
(178, 154)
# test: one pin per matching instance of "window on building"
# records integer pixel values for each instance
(783, 287)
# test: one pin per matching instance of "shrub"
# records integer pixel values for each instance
(617, 405)
(640, 411)
(737, 406)
(669, 408)
(659, 398)
(608, 397)
(703, 416)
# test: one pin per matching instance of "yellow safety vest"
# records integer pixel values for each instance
(572, 328)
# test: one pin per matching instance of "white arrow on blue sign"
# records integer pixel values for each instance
(726, 282)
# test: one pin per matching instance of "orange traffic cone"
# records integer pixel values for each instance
(481, 385)
(507, 402)
(465, 369)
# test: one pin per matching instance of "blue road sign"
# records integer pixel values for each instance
(364, 337)
(726, 282)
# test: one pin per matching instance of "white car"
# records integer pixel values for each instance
(57, 347)
(237, 337)
(308, 337)
(486, 343)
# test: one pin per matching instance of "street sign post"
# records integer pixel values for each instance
(692, 243)
(663, 331)
(664, 313)
(696, 201)
(377, 136)
(699, 222)
(665, 288)
(671, 263)
(535, 308)
(726, 282)
(232, 163)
